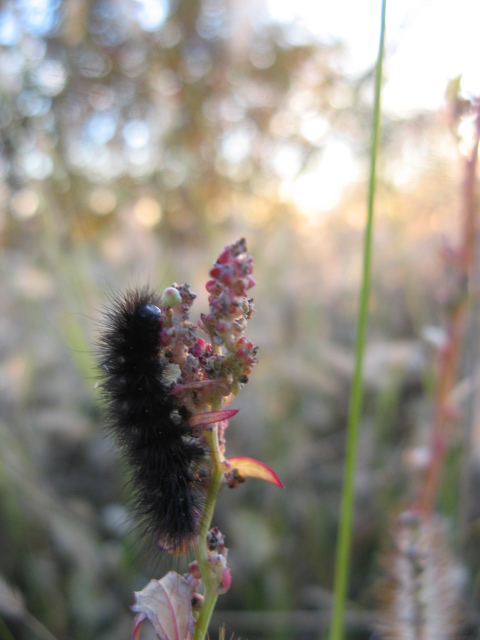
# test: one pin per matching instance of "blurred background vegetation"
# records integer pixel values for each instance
(138, 137)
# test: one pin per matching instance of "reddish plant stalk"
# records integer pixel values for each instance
(449, 353)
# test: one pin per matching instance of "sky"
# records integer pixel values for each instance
(428, 42)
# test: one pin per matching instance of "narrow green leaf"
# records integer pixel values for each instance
(343, 552)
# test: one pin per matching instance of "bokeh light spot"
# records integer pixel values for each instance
(30, 103)
(25, 203)
(236, 144)
(136, 134)
(37, 164)
(9, 29)
(51, 77)
(147, 212)
(101, 127)
(151, 14)
(102, 201)
(320, 188)
(38, 16)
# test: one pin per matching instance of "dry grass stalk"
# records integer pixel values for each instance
(419, 595)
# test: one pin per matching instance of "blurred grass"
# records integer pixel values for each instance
(292, 416)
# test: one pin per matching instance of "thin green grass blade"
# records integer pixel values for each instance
(342, 561)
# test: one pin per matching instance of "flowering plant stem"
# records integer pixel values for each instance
(211, 376)
(342, 560)
(457, 314)
(201, 550)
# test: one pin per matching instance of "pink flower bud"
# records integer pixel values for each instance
(226, 579)
(216, 271)
(223, 326)
(207, 319)
(165, 337)
(244, 356)
(214, 304)
(225, 257)
(239, 287)
(226, 277)
(194, 569)
(199, 348)
(243, 343)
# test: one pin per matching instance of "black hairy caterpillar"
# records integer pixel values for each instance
(168, 462)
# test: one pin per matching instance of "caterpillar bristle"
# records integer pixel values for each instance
(169, 467)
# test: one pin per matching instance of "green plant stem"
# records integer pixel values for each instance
(210, 596)
(5, 633)
(342, 561)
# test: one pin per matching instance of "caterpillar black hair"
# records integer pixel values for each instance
(168, 463)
